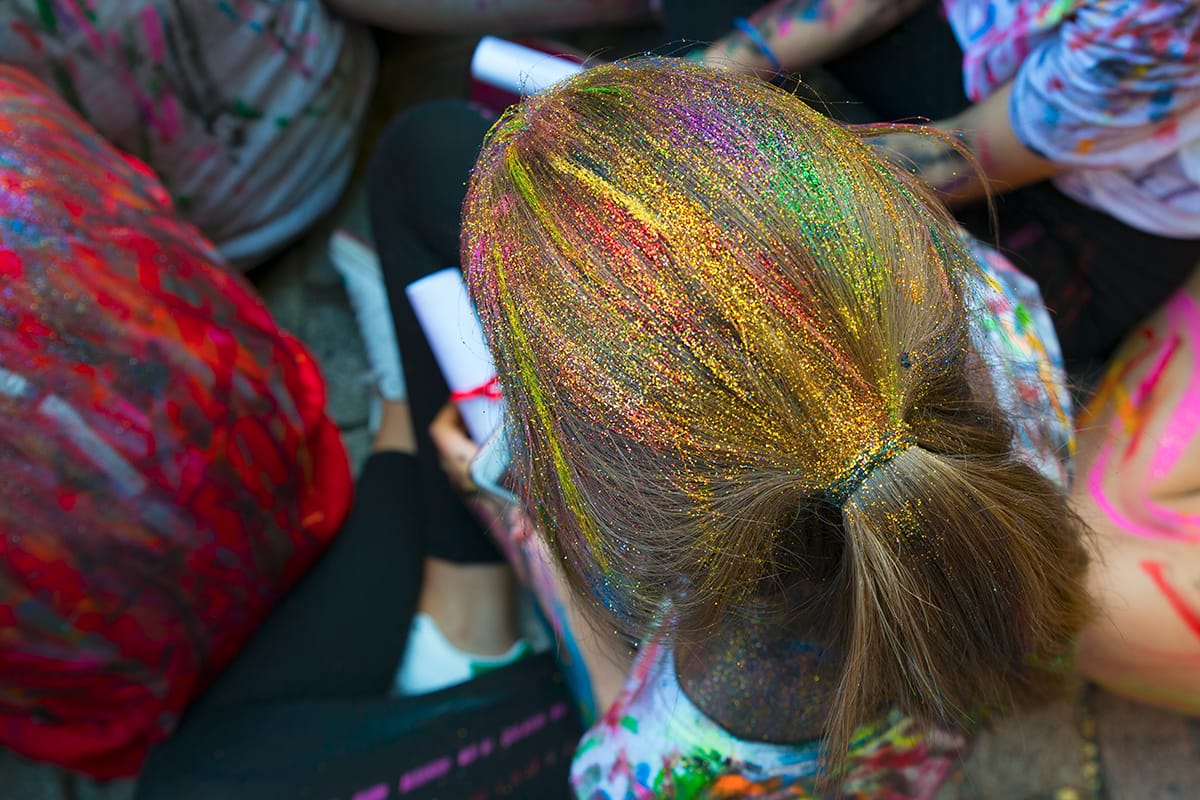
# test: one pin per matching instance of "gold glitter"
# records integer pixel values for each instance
(736, 356)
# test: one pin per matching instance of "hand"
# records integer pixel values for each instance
(929, 156)
(995, 160)
(508, 524)
(455, 448)
(456, 451)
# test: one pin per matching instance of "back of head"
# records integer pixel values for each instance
(736, 352)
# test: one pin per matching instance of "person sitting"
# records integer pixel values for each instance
(169, 470)
(248, 111)
(1136, 487)
(775, 418)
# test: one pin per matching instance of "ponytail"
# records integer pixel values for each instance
(961, 590)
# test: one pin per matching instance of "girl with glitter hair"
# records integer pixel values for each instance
(779, 421)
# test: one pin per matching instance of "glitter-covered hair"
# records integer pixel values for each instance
(740, 383)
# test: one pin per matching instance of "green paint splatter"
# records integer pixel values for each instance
(244, 111)
(588, 743)
(46, 14)
(66, 87)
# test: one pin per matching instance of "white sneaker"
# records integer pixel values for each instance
(359, 267)
(431, 662)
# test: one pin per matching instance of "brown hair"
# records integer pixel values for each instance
(735, 348)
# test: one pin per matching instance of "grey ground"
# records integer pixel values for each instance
(1095, 746)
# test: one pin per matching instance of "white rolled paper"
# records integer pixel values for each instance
(448, 319)
(516, 68)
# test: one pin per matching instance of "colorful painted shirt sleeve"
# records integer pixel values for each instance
(1117, 87)
(247, 110)
(1108, 88)
(1015, 338)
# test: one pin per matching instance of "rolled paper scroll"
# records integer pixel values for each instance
(450, 324)
(516, 68)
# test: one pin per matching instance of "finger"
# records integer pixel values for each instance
(448, 432)
(455, 448)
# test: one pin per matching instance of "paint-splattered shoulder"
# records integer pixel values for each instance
(1014, 336)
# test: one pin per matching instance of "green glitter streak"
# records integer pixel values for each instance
(524, 360)
(524, 183)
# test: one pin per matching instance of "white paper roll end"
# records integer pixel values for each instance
(516, 68)
(448, 318)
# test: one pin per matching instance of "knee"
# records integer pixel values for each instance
(423, 148)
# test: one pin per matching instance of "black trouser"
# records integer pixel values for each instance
(304, 711)
(1098, 276)
(417, 186)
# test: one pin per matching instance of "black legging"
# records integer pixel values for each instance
(417, 186)
(304, 711)
(1098, 276)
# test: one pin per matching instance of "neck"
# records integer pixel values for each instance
(762, 683)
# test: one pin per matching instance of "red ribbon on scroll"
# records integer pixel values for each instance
(490, 390)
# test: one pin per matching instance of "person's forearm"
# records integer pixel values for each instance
(800, 33)
(995, 161)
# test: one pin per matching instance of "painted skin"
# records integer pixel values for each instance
(1138, 485)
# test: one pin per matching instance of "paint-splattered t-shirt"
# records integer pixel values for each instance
(655, 742)
(1013, 334)
(1110, 88)
(248, 110)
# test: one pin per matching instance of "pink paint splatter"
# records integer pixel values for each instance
(1180, 431)
(1189, 615)
(153, 31)
(379, 792)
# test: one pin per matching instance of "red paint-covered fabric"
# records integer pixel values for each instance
(167, 470)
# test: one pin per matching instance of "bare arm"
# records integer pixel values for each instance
(1138, 487)
(986, 134)
(805, 32)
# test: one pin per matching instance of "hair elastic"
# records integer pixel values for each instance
(759, 41)
(895, 443)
